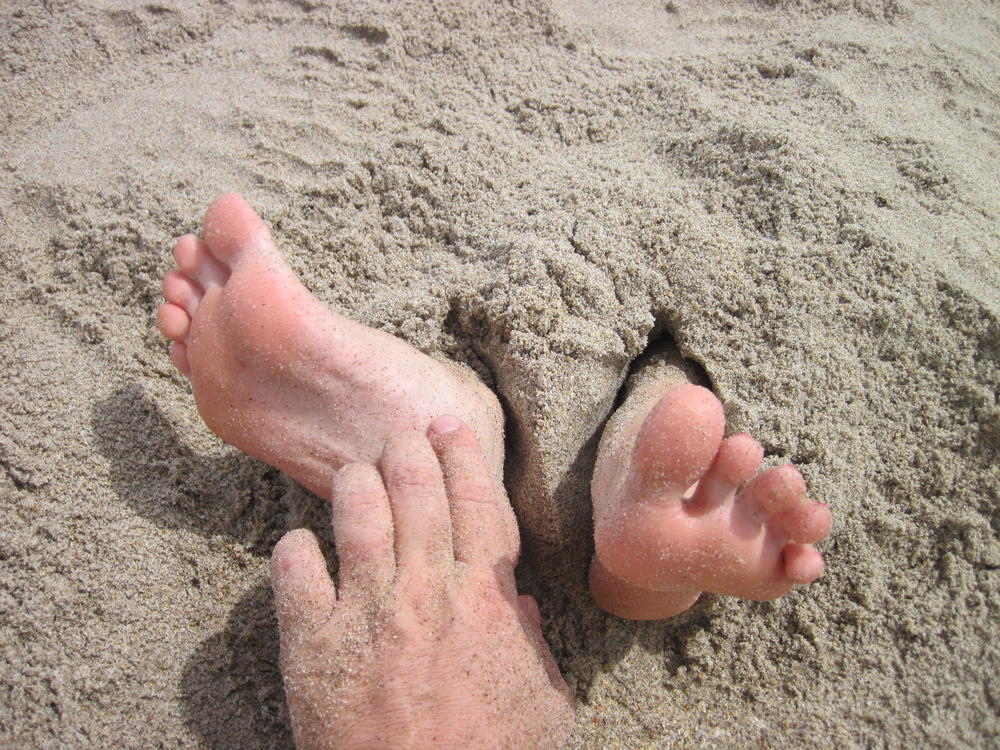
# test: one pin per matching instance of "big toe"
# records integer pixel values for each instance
(678, 439)
(231, 227)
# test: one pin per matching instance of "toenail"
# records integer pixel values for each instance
(445, 424)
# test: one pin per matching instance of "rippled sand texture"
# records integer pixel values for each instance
(802, 195)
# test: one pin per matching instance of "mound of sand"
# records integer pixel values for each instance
(802, 195)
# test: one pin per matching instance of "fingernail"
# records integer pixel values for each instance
(445, 424)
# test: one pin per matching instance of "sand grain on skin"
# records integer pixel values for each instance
(803, 196)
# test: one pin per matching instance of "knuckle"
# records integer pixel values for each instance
(489, 602)
(402, 444)
(350, 476)
(364, 499)
(364, 545)
(462, 441)
(473, 489)
(413, 472)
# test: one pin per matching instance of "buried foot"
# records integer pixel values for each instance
(671, 518)
(424, 643)
(278, 375)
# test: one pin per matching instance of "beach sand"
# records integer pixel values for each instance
(803, 196)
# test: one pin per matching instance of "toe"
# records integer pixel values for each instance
(196, 260)
(806, 523)
(774, 491)
(362, 530)
(737, 460)
(173, 322)
(420, 513)
(183, 291)
(803, 563)
(231, 226)
(678, 440)
(303, 592)
(179, 356)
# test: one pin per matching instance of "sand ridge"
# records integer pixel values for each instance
(801, 195)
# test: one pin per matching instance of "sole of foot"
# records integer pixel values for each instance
(678, 510)
(287, 380)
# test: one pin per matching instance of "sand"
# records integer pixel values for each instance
(802, 195)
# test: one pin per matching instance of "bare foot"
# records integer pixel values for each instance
(285, 379)
(424, 643)
(670, 518)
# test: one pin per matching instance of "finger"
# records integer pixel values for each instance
(304, 595)
(481, 531)
(532, 624)
(530, 608)
(420, 517)
(362, 530)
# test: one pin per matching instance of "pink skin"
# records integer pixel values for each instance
(280, 376)
(671, 520)
(424, 643)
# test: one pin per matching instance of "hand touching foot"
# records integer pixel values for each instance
(424, 643)
(287, 380)
(671, 519)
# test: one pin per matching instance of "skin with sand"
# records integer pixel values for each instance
(677, 509)
(424, 643)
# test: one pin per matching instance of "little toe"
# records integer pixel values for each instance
(173, 322)
(196, 260)
(362, 531)
(678, 440)
(806, 523)
(776, 490)
(232, 226)
(183, 291)
(179, 356)
(738, 458)
(803, 563)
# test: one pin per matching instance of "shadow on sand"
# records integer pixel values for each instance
(231, 685)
